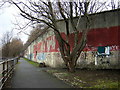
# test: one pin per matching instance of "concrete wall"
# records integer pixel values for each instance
(99, 20)
(104, 32)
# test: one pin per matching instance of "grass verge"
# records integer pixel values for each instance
(106, 84)
(32, 62)
(88, 78)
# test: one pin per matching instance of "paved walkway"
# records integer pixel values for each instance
(29, 76)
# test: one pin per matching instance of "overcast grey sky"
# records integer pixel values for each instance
(7, 18)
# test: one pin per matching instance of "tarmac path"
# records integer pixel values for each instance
(29, 76)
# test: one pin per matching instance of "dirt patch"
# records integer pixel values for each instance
(88, 78)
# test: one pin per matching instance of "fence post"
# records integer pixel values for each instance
(7, 68)
(3, 73)
(17, 61)
(13, 64)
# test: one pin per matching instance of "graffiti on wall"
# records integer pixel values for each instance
(30, 56)
(114, 48)
(50, 44)
(41, 56)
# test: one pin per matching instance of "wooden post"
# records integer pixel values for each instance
(7, 68)
(3, 72)
(17, 60)
(13, 66)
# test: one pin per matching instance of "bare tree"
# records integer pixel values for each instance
(16, 46)
(47, 12)
(6, 39)
(11, 47)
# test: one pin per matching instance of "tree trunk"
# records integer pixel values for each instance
(71, 66)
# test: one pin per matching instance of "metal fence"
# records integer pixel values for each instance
(6, 70)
